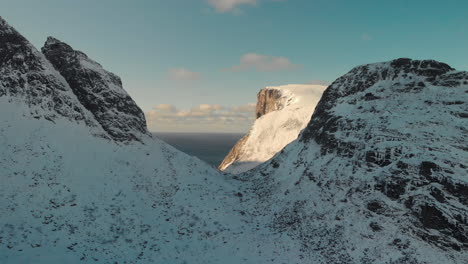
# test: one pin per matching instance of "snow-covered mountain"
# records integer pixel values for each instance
(282, 112)
(71, 193)
(99, 91)
(380, 173)
(27, 77)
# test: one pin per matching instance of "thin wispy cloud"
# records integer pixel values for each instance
(224, 6)
(234, 6)
(183, 74)
(263, 63)
(165, 108)
(166, 117)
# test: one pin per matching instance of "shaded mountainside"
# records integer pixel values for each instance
(27, 77)
(282, 112)
(99, 91)
(380, 174)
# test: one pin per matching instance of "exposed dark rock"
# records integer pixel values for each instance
(432, 218)
(426, 168)
(375, 227)
(394, 187)
(375, 206)
(438, 195)
(99, 91)
(27, 76)
(268, 100)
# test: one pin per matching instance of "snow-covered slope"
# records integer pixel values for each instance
(282, 112)
(69, 196)
(99, 91)
(380, 174)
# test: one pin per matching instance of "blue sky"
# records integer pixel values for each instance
(176, 55)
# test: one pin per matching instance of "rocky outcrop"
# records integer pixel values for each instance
(269, 100)
(282, 112)
(26, 77)
(99, 91)
(383, 162)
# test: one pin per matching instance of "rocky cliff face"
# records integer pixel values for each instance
(26, 77)
(379, 175)
(99, 91)
(282, 112)
(269, 100)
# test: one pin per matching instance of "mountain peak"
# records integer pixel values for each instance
(4, 24)
(28, 78)
(100, 91)
(51, 41)
(386, 144)
(408, 64)
(393, 77)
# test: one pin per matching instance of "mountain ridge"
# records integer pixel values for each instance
(377, 176)
(26, 75)
(383, 159)
(99, 91)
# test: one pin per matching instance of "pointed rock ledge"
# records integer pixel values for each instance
(99, 91)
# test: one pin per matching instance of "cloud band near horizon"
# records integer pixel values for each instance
(207, 117)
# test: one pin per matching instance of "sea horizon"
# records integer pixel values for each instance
(207, 146)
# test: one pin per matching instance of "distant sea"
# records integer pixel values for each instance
(209, 147)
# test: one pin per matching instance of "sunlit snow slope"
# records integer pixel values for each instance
(282, 112)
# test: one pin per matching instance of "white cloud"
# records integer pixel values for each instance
(224, 6)
(263, 63)
(165, 108)
(182, 74)
(207, 108)
(248, 108)
(203, 117)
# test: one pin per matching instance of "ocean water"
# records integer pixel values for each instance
(209, 147)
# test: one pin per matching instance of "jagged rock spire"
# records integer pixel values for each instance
(99, 91)
(27, 77)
